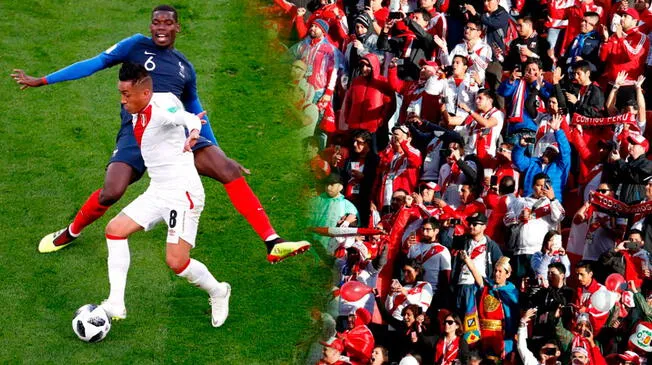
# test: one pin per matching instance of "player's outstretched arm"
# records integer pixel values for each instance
(25, 80)
(73, 72)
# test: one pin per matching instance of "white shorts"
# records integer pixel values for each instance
(178, 208)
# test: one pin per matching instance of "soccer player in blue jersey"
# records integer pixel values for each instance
(173, 73)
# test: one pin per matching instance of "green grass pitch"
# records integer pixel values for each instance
(55, 144)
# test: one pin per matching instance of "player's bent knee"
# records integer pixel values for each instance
(111, 194)
(176, 262)
(114, 228)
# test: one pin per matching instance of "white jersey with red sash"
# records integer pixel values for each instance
(420, 294)
(478, 253)
(398, 171)
(482, 141)
(455, 91)
(478, 56)
(434, 258)
(492, 316)
(447, 351)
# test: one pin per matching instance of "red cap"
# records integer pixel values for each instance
(637, 138)
(431, 185)
(626, 356)
(363, 315)
(631, 12)
(335, 343)
(424, 61)
(630, 356)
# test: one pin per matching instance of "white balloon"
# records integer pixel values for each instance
(603, 300)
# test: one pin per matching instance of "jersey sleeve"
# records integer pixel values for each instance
(112, 56)
(193, 105)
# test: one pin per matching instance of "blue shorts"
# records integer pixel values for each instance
(127, 149)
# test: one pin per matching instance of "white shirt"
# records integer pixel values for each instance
(161, 128)
(475, 129)
(480, 262)
(420, 293)
(437, 258)
(532, 232)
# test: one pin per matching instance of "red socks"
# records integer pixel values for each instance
(91, 211)
(246, 203)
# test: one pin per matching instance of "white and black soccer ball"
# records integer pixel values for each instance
(91, 324)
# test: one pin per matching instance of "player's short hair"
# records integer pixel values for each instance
(135, 73)
(169, 8)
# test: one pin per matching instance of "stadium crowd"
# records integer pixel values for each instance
(486, 166)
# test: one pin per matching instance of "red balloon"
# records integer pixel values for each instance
(615, 283)
(352, 291)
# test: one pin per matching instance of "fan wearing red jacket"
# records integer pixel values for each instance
(357, 339)
(370, 98)
(398, 167)
(626, 50)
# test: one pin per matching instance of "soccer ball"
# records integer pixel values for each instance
(91, 324)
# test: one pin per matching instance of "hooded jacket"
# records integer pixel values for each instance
(369, 100)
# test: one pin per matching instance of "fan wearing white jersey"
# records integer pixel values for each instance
(175, 194)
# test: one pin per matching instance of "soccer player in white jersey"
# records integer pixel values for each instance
(175, 193)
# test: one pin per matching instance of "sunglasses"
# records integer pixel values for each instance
(470, 28)
(500, 149)
(449, 322)
(476, 224)
(603, 191)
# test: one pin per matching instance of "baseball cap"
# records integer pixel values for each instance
(638, 139)
(431, 185)
(424, 61)
(334, 343)
(477, 218)
(631, 12)
(402, 128)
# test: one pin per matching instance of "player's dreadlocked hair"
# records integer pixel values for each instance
(134, 72)
(169, 8)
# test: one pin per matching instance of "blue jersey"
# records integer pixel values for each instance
(170, 70)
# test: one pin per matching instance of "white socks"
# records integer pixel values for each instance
(118, 262)
(197, 274)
